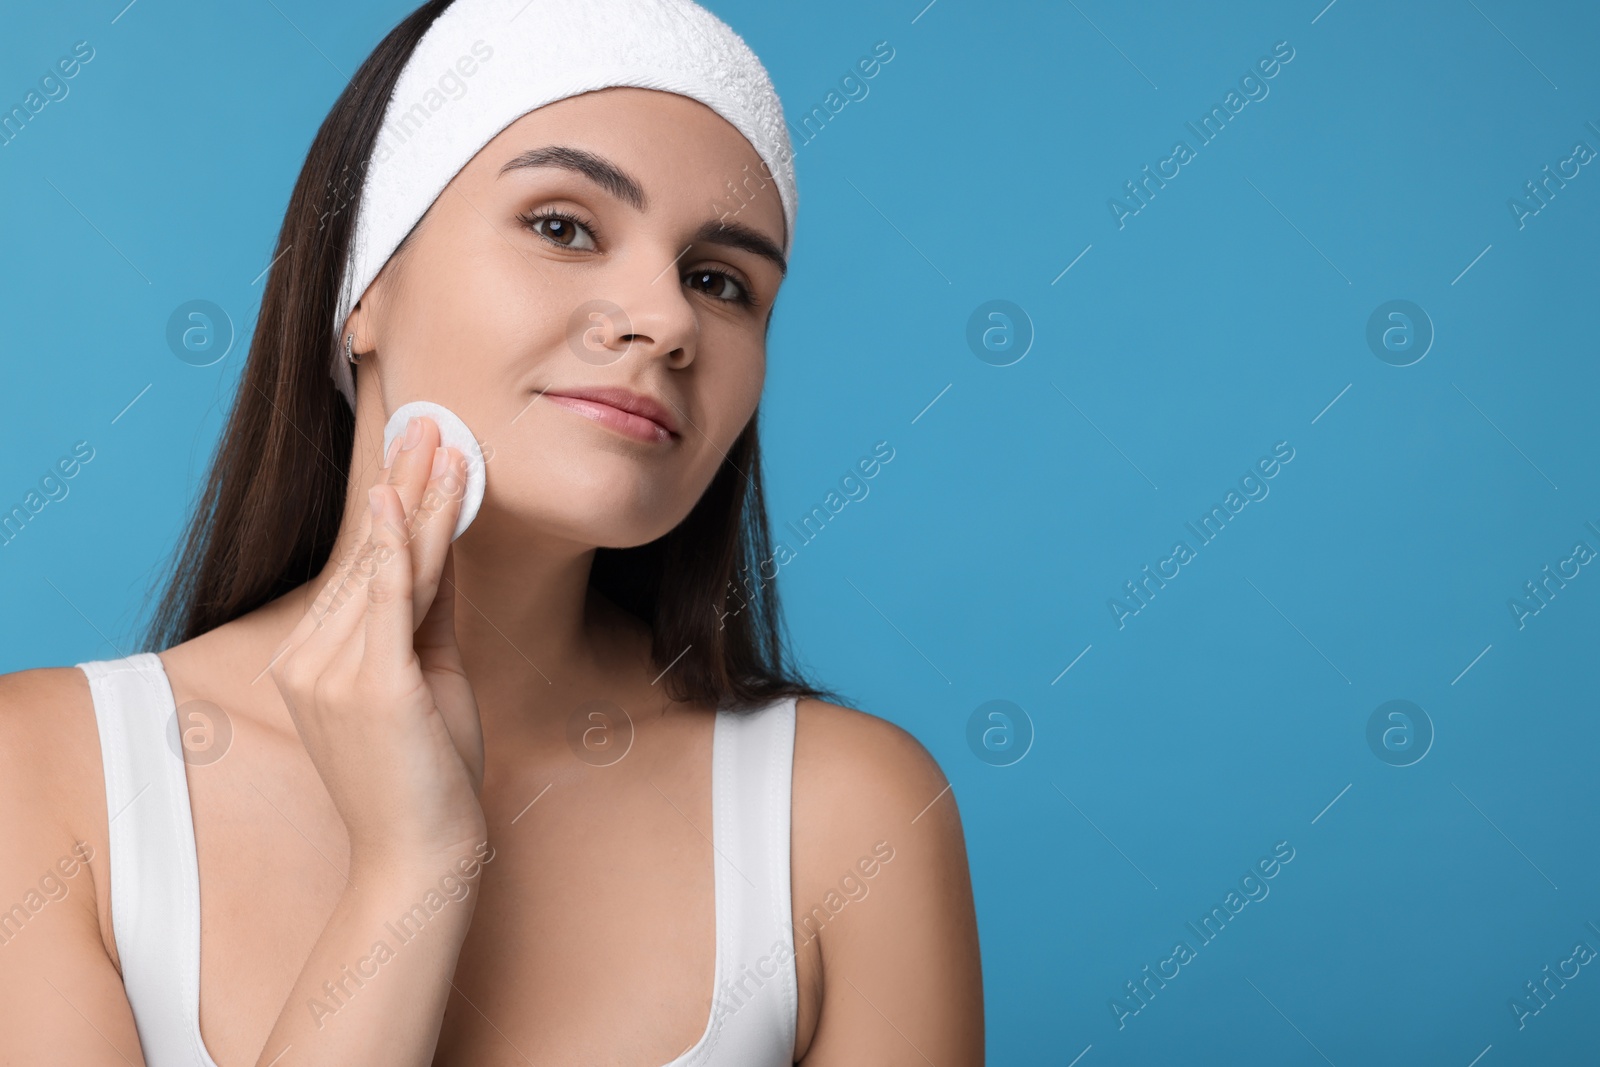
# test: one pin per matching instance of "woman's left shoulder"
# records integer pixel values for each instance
(883, 908)
(850, 761)
(862, 782)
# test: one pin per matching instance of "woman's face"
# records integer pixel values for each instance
(529, 278)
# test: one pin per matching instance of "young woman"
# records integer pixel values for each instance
(544, 794)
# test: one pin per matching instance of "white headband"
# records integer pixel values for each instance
(483, 64)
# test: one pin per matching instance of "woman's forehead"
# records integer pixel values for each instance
(644, 147)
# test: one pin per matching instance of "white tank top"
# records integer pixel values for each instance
(155, 882)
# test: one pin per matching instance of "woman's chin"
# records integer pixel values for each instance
(578, 518)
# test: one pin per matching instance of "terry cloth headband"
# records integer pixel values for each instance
(513, 56)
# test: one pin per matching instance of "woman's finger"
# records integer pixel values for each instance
(440, 658)
(337, 611)
(412, 475)
(337, 591)
(433, 526)
(435, 640)
(340, 612)
(387, 632)
(406, 467)
(413, 463)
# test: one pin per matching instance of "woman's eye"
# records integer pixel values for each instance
(563, 230)
(719, 285)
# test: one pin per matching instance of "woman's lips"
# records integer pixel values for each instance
(626, 423)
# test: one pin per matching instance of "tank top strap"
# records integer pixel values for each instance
(155, 882)
(756, 993)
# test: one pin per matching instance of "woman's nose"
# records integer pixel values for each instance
(644, 312)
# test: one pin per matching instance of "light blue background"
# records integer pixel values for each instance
(1228, 315)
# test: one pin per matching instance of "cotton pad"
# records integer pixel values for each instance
(452, 433)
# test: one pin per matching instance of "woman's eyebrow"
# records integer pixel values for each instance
(619, 183)
(738, 235)
(604, 173)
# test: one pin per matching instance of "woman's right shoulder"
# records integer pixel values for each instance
(20, 691)
(52, 783)
(46, 715)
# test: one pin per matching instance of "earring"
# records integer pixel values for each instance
(349, 355)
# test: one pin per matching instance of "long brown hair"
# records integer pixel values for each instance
(274, 496)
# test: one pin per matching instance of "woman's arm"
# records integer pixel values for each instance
(374, 682)
(879, 829)
(374, 988)
(62, 995)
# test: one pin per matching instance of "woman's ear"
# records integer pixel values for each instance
(358, 323)
(363, 318)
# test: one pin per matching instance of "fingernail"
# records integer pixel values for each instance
(394, 446)
(413, 433)
(441, 457)
(374, 502)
